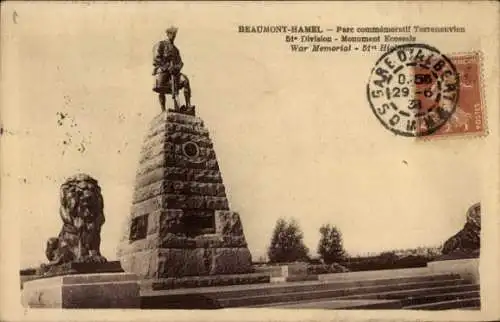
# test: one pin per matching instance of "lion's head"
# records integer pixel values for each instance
(81, 201)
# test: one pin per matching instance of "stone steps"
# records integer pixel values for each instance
(408, 295)
(345, 305)
(328, 293)
(440, 297)
(270, 294)
(420, 292)
(471, 308)
(302, 286)
(469, 303)
(383, 273)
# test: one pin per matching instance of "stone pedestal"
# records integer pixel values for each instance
(467, 268)
(291, 272)
(180, 222)
(83, 291)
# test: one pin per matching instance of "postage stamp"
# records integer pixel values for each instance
(469, 118)
(413, 90)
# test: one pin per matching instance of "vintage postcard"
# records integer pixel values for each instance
(285, 161)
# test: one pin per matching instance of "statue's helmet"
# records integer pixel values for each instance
(171, 30)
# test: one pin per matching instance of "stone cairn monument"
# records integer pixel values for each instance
(180, 223)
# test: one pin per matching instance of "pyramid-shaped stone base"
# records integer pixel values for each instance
(180, 222)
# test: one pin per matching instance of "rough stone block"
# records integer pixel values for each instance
(159, 161)
(231, 261)
(228, 223)
(204, 175)
(197, 188)
(142, 180)
(171, 221)
(150, 242)
(158, 129)
(217, 203)
(178, 127)
(178, 174)
(169, 240)
(233, 241)
(153, 151)
(148, 206)
(180, 138)
(177, 138)
(208, 241)
(200, 213)
(179, 187)
(83, 291)
(182, 119)
(158, 119)
(185, 162)
(183, 262)
(212, 164)
(158, 140)
(185, 202)
(144, 263)
(149, 191)
(154, 221)
(168, 128)
(195, 202)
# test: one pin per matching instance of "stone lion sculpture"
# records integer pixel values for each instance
(466, 240)
(82, 215)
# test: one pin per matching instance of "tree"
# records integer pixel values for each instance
(275, 250)
(287, 243)
(330, 246)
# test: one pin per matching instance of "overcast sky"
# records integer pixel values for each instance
(294, 133)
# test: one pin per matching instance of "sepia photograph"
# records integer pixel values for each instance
(281, 158)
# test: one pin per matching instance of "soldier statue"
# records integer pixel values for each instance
(167, 64)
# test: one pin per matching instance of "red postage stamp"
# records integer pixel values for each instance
(469, 117)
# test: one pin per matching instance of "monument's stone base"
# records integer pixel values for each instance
(468, 268)
(79, 291)
(177, 262)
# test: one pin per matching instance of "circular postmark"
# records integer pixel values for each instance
(413, 90)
